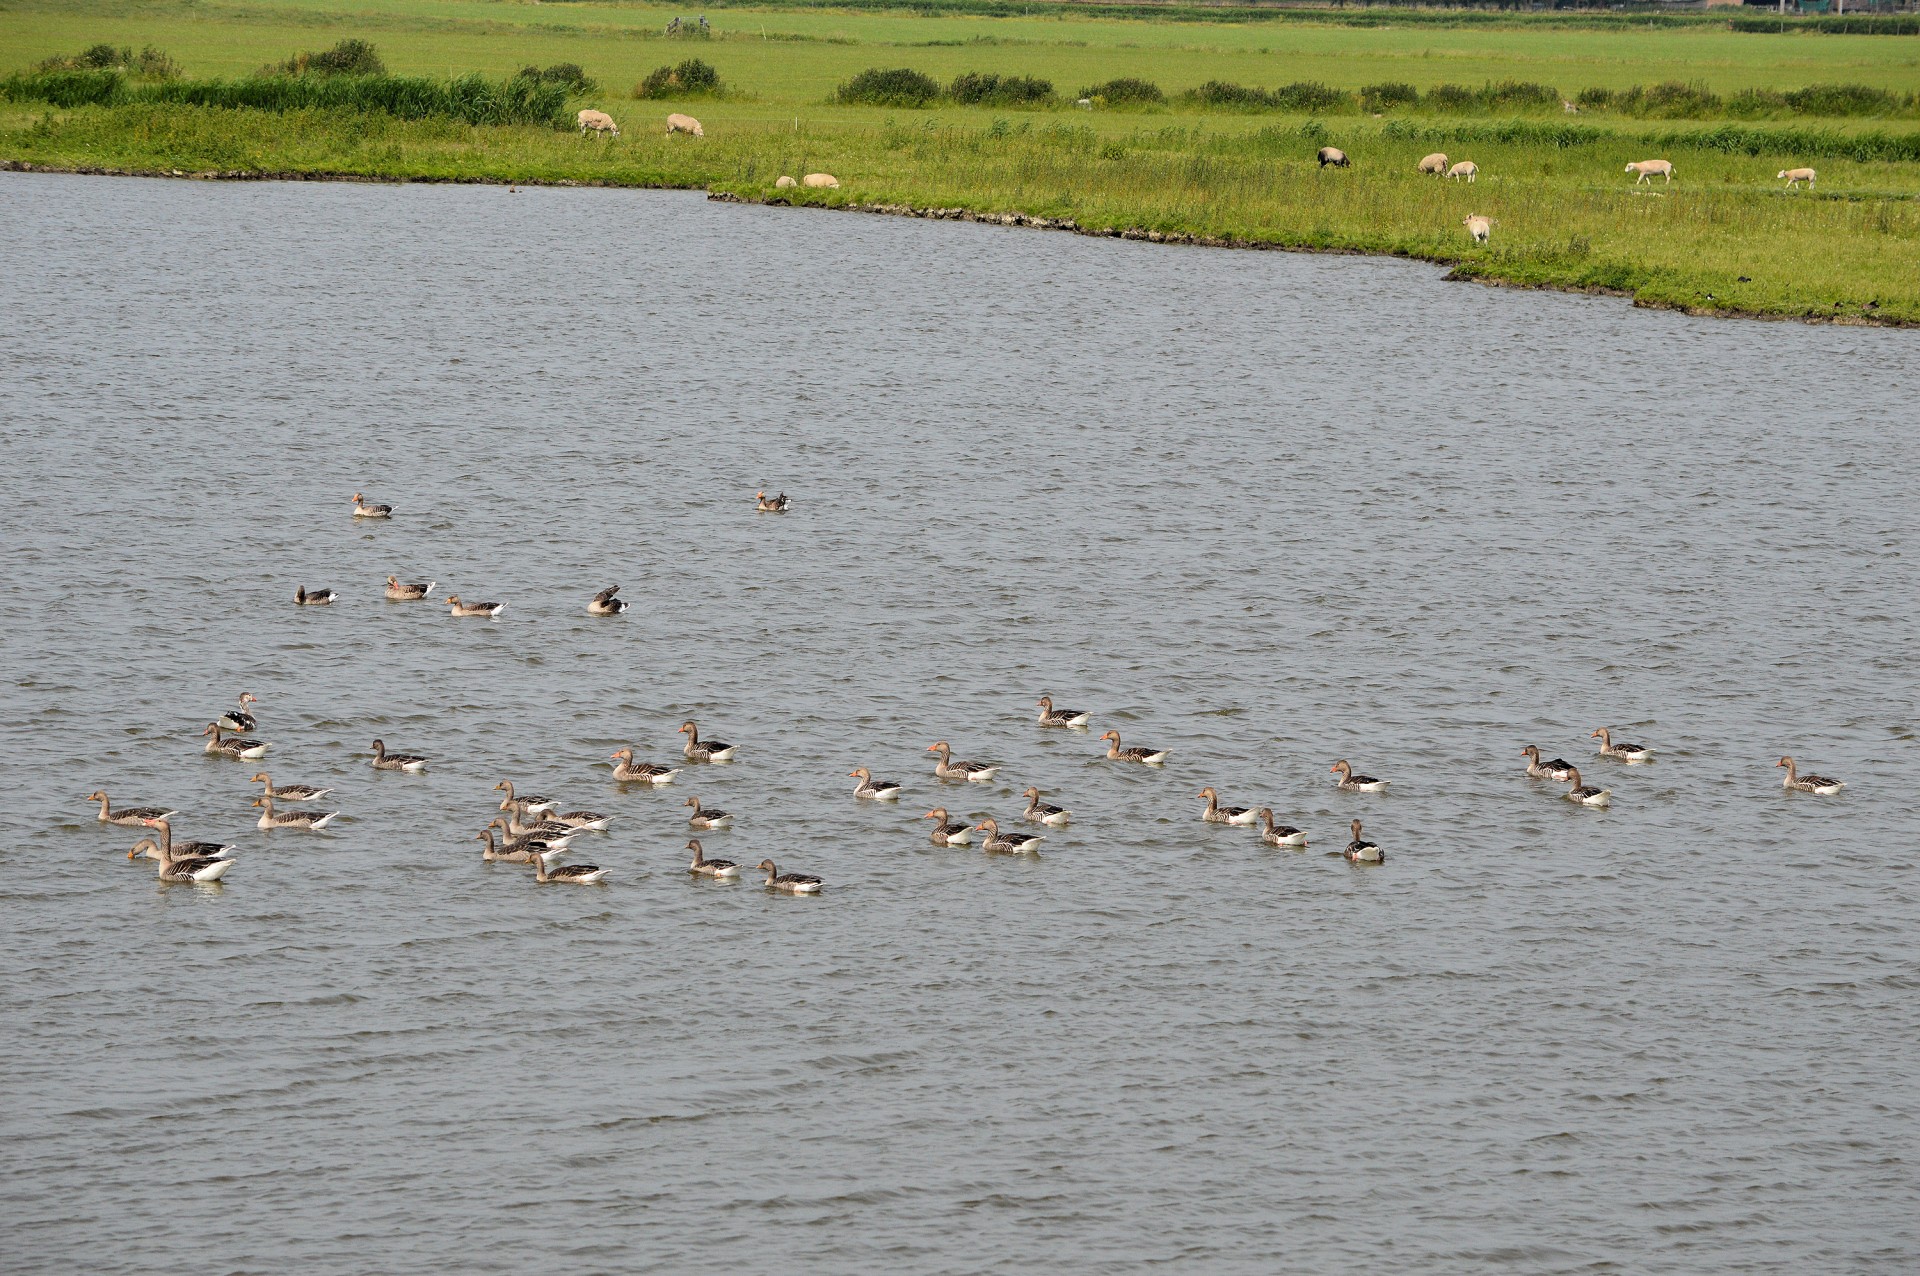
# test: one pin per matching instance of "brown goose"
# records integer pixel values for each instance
(512, 852)
(234, 747)
(363, 510)
(628, 771)
(1052, 717)
(1006, 843)
(533, 802)
(871, 789)
(1361, 851)
(578, 874)
(1151, 757)
(1039, 812)
(790, 883)
(704, 867)
(709, 751)
(1356, 783)
(1554, 769)
(1807, 783)
(947, 769)
(1279, 834)
(1585, 794)
(290, 792)
(304, 597)
(945, 831)
(1217, 814)
(239, 720)
(605, 604)
(772, 504)
(129, 816)
(272, 819)
(191, 868)
(384, 761)
(1625, 752)
(189, 850)
(403, 593)
(705, 817)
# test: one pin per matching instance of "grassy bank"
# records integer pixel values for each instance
(1724, 238)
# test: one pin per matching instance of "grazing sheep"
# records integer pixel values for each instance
(1795, 176)
(684, 124)
(1569, 107)
(597, 122)
(785, 182)
(1333, 155)
(1647, 168)
(1435, 163)
(820, 179)
(1465, 168)
(1479, 227)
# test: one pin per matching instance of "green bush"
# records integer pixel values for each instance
(1519, 95)
(1451, 97)
(1843, 99)
(984, 88)
(1238, 97)
(692, 78)
(150, 63)
(1308, 95)
(899, 87)
(570, 76)
(1382, 97)
(349, 57)
(1126, 91)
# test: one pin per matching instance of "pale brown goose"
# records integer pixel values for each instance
(304, 597)
(239, 720)
(272, 819)
(946, 832)
(871, 789)
(1356, 783)
(486, 610)
(403, 593)
(791, 883)
(513, 852)
(1039, 812)
(533, 802)
(709, 751)
(191, 868)
(1361, 851)
(1585, 794)
(1217, 814)
(234, 747)
(552, 843)
(384, 761)
(1625, 752)
(605, 604)
(128, 816)
(704, 817)
(550, 831)
(704, 867)
(581, 821)
(772, 504)
(189, 850)
(290, 792)
(1052, 717)
(947, 769)
(1006, 843)
(1553, 769)
(1279, 834)
(578, 874)
(628, 771)
(363, 510)
(1807, 783)
(1151, 757)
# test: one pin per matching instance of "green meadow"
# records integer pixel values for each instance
(1724, 237)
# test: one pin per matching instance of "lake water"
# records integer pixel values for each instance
(1264, 510)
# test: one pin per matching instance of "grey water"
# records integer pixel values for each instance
(1267, 511)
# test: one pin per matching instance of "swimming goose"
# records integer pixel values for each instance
(579, 874)
(513, 852)
(581, 821)
(705, 867)
(236, 747)
(272, 819)
(1629, 752)
(363, 510)
(304, 597)
(189, 850)
(1807, 783)
(1279, 834)
(457, 608)
(1585, 794)
(1361, 851)
(1554, 769)
(1152, 757)
(791, 883)
(239, 719)
(644, 772)
(947, 769)
(1217, 814)
(554, 842)
(129, 816)
(384, 761)
(408, 593)
(1052, 717)
(707, 817)
(1039, 812)
(1006, 843)
(945, 832)
(1356, 783)
(290, 792)
(542, 830)
(772, 504)
(711, 751)
(191, 868)
(533, 802)
(605, 604)
(871, 789)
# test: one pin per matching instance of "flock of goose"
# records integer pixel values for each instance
(534, 831)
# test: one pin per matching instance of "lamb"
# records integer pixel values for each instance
(1465, 168)
(684, 124)
(1435, 163)
(785, 182)
(1333, 155)
(1795, 176)
(1479, 227)
(597, 122)
(820, 179)
(1647, 168)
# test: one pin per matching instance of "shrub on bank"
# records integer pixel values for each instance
(1375, 98)
(150, 63)
(349, 57)
(692, 78)
(984, 88)
(570, 76)
(898, 87)
(1126, 91)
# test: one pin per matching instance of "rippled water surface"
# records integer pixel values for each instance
(1264, 510)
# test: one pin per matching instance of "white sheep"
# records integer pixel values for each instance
(597, 122)
(1435, 163)
(1647, 168)
(785, 182)
(1479, 227)
(1795, 176)
(820, 179)
(684, 124)
(1465, 168)
(1332, 155)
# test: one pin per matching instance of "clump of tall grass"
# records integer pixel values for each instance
(1302, 95)
(150, 63)
(1376, 98)
(984, 88)
(472, 99)
(570, 76)
(691, 78)
(65, 89)
(1125, 91)
(900, 86)
(348, 57)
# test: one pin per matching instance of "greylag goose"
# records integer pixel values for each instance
(772, 504)
(1807, 783)
(1052, 717)
(605, 604)
(488, 610)
(945, 831)
(290, 792)
(191, 868)
(363, 510)
(791, 883)
(578, 874)
(1039, 812)
(232, 747)
(629, 771)
(1585, 794)
(1279, 834)
(1361, 851)
(189, 850)
(408, 593)
(1553, 769)
(581, 821)
(1006, 843)
(947, 769)
(533, 802)
(871, 789)
(554, 842)
(1217, 814)
(1152, 757)
(704, 867)
(705, 817)
(272, 819)
(1625, 752)
(129, 816)
(239, 720)
(513, 852)
(384, 761)
(710, 751)
(1356, 783)
(551, 831)
(304, 597)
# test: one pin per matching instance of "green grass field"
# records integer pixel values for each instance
(1566, 215)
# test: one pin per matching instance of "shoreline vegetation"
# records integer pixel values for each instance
(1025, 133)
